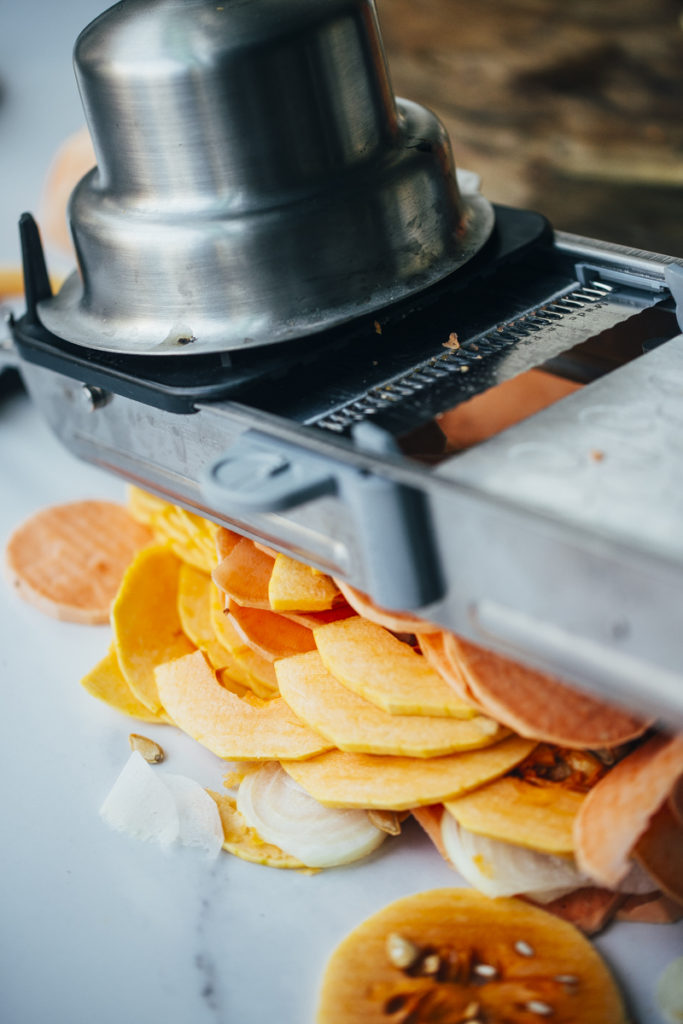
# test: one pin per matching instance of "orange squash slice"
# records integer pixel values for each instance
(226, 540)
(536, 705)
(294, 586)
(453, 955)
(373, 663)
(230, 727)
(147, 628)
(397, 622)
(244, 574)
(354, 724)
(538, 817)
(374, 781)
(618, 809)
(247, 668)
(270, 634)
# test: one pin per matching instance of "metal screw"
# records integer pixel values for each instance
(94, 397)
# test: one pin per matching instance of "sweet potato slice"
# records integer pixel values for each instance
(589, 909)
(397, 622)
(373, 663)
(294, 586)
(653, 908)
(539, 706)
(537, 817)
(618, 809)
(244, 574)
(354, 724)
(482, 970)
(270, 634)
(434, 646)
(147, 628)
(107, 682)
(660, 851)
(429, 818)
(676, 800)
(68, 560)
(339, 779)
(230, 727)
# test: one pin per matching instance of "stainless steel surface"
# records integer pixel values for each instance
(483, 359)
(256, 179)
(559, 540)
(577, 599)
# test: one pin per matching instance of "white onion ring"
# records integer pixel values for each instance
(284, 814)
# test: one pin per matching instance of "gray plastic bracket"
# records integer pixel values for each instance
(392, 521)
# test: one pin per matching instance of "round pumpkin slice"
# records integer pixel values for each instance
(455, 955)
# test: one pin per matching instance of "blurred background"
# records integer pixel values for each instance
(570, 107)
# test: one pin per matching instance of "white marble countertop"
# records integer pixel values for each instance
(96, 928)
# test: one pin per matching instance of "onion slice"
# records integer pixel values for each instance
(141, 805)
(199, 820)
(285, 815)
(156, 806)
(497, 868)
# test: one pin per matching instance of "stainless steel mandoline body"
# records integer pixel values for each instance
(282, 276)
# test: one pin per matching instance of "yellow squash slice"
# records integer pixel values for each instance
(296, 587)
(245, 842)
(227, 725)
(540, 817)
(107, 682)
(373, 781)
(372, 662)
(194, 609)
(145, 621)
(354, 724)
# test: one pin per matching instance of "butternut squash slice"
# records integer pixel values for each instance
(269, 634)
(145, 621)
(383, 782)
(107, 682)
(539, 817)
(244, 575)
(243, 841)
(194, 610)
(294, 586)
(453, 955)
(376, 665)
(354, 724)
(231, 727)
